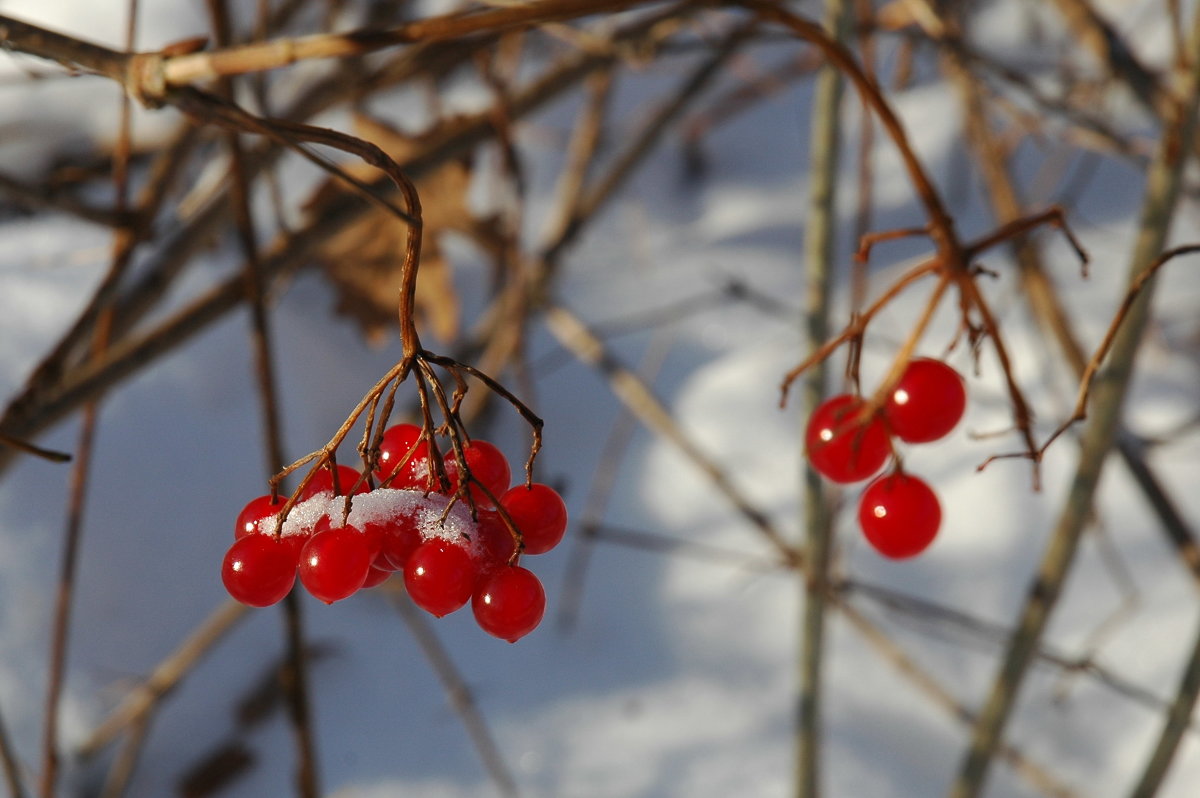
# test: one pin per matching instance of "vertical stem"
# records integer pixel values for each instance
(1162, 191)
(1178, 719)
(819, 238)
(11, 767)
(123, 244)
(295, 673)
(66, 590)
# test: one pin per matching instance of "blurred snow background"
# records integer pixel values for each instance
(677, 675)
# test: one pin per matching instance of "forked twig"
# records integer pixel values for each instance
(953, 259)
(1079, 413)
(1161, 197)
(37, 451)
(458, 692)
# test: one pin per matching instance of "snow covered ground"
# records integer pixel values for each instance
(676, 676)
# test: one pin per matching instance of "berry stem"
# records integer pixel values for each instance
(1161, 198)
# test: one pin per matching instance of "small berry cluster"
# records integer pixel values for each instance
(899, 513)
(448, 555)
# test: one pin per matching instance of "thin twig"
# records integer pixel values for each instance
(1176, 723)
(933, 688)
(824, 163)
(37, 451)
(458, 692)
(124, 243)
(165, 677)
(573, 334)
(12, 767)
(295, 674)
(586, 529)
(1162, 192)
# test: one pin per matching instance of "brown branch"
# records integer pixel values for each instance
(37, 451)
(1079, 413)
(458, 692)
(573, 334)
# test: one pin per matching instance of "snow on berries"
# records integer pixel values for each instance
(846, 441)
(447, 552)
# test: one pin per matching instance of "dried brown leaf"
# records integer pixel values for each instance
(364, 261)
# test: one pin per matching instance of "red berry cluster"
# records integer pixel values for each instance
(447, 555)
(899, 513)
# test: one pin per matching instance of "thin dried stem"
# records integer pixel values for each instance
(585, 528)
(1162, 192)
(165, 677)
(625, 384)
(36, 451)
(824, 162)
(1079, 413)
(296, 683)
(124, 244)
(458, 692)
(1037, 775)
(188, 69)
(857, 324)
(10, 764)
(1176, 724)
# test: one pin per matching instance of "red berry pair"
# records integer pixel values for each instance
(404, 463)
(447, 557)
(899, 513)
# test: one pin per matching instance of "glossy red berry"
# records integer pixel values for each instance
(927, 402)
(256, 511)
(376, 576)
(843, 447)
(539, 512)
(899, 515)
(495, 543)
(259, 570)
(399, 442)
(400, 540)
(440, 576)
(487, 464)
(322, 482)
(509, 603)
(334, 563)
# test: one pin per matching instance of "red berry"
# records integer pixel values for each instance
(843, 447)
(509, 603)
(334, 563)
(900, 515)
(495, 542)
(440, 576)
(376, 576)
(400, 539)
(259, 570)
(322, 482)
(539, 512)
(256, 511)
(401, 441)
(374, 533)
(927, 402)
(487, 464)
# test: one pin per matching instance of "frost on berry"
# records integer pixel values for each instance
(444, 553)
(263, 508)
